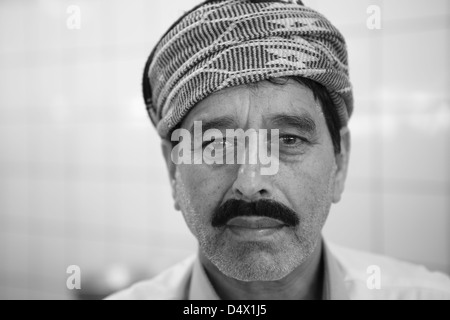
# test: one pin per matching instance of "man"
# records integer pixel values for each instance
(261, 65)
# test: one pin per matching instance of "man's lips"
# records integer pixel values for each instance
(254, 228)
(255, 222)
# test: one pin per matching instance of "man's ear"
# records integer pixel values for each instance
(166, 147)
(342, 160)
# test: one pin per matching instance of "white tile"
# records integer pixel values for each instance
(12, 293)
(47, 144)
(52, 253)
(11, 95)
(135, 208)
(15, 196)
(49, 295)
(47, 199)
(151, 202)
(172, 221)
(43, 23)
(361, 155)
(342, 12)
(14, 141)
(184, 242)
(417, 228)
(128, 145)
(350, 223)
(17, 254)
(87, 145)
(91, 256)
(164, 257)
(86, 230)
(13, 16)
(3, 249)
(362, 68)
(413, 153)
(91, 202)
(413, 64)
(406, 9)
(136, 255)
(414, 115)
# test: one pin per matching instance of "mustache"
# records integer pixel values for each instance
(262, 208)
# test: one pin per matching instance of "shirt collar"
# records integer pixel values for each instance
(333, 286)
(200, 287)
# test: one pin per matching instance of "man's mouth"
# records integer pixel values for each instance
(255, 222)
(254, 227)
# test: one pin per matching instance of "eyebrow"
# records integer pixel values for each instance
(219, 123)
(303, 122)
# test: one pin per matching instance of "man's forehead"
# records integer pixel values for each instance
(303, 123)
(264, 102)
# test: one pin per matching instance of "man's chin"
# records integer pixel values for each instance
(253, 268)
(249, 255)
(255, 261)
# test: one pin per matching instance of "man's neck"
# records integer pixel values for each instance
(304, 283)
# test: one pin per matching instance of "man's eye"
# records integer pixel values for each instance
(289, 140)
(217, 144)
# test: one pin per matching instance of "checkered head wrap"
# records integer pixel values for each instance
(227, 43)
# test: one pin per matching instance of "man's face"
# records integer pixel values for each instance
(248, 249)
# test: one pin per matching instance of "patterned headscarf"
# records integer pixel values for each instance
(227, 43)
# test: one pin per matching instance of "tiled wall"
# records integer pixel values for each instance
(399, 180)
(82, 179)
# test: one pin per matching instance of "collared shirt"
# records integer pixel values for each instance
(349, 274)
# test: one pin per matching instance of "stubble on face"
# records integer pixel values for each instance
(258, 260)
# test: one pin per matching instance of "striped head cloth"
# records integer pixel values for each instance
(221, 44)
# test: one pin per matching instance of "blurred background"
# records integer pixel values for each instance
(82, 178)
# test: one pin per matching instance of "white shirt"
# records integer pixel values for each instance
(349, 274)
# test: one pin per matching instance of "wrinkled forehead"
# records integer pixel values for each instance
(260, 105)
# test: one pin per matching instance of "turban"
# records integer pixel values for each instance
(222, 44)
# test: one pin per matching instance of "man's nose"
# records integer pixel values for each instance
(250, 185)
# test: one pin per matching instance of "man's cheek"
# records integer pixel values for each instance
(208, 183)
(196, 196)
(308, 193)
